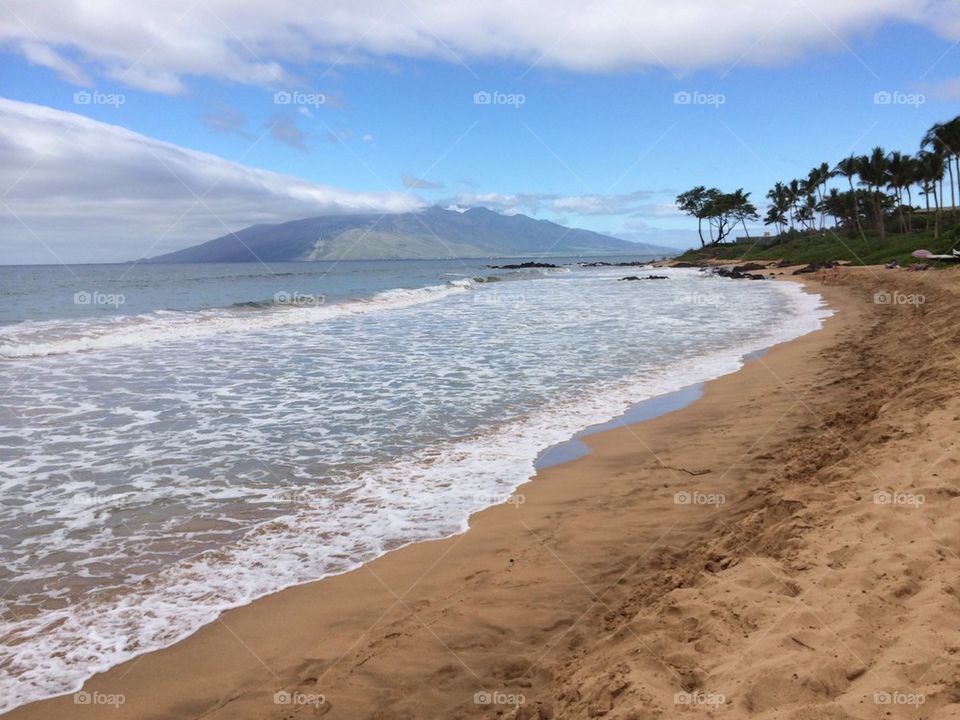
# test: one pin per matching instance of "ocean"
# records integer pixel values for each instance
(176, 440)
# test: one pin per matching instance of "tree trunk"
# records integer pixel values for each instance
(957, 160)
(910, 212)
(953, 199)
(856, 209)
(937, 202)
(700, 231)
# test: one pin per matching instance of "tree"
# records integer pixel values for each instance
(693, 202)
(942, 138)
(848, 168)
(719, 211)
(779, 209)
(899, 178)
(932, 170)
(741, 209)
(817, 180)
(872, 170)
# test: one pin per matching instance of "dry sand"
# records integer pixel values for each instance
(824, 585)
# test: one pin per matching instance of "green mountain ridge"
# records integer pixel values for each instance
(429, 234)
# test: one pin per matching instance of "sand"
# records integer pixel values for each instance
(785, 547)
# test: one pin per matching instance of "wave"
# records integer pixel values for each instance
(58, 337)
(33, 339)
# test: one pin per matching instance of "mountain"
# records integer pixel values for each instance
(431, 233)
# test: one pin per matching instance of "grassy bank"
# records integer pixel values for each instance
(832, 245)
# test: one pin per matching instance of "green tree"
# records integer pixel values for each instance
(848, 168)
(693, 202)
(873, 169)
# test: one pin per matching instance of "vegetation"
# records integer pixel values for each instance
(868, 215)
(817, 247)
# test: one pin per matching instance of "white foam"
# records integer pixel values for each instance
(39, 339)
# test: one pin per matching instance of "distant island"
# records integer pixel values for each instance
(431, 233)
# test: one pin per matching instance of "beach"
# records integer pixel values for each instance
(785, 546)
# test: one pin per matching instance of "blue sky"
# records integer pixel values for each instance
(604, 148)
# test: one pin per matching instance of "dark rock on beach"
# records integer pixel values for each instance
(648, 277)
(814, 267)
(601, 263)
(741, 272)
(523, 266)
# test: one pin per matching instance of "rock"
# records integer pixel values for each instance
(814, 267)
(648, 277)
(523, 266)
(749, 267)
(601, 263)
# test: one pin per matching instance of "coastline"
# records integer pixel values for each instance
(515, 605)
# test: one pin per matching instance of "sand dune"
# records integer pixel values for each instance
(786, 547)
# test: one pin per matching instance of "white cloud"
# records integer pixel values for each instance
(78, 190)
(154, 44)
(577, 205)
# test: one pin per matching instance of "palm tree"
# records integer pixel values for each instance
(848, 168)
(794, 191)
(779, 209)
(932, 170)
(816, 181)
(899, 178)
(742, 209)
(873, 171)
(942, 138)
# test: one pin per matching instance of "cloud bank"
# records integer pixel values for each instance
(72, 189)
(156, 44)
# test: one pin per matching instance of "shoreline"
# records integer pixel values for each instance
(520, 580)
(659, 397)
(555, 456)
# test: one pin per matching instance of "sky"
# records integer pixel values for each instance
(130, 129)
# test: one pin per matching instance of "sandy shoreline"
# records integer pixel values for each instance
(728, 557)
